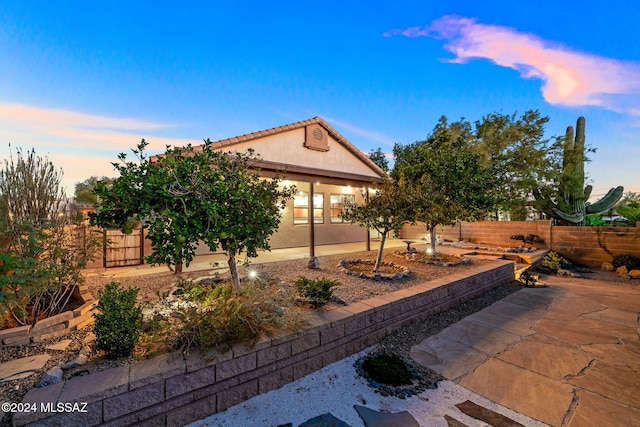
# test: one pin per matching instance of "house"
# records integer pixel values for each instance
(326, 170)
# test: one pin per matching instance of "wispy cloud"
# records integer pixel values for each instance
(81, 144)
(570, 77)
(365, 133)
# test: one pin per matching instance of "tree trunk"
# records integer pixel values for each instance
(379, 258)
(178, 268)
(235, 277)
(432, 234)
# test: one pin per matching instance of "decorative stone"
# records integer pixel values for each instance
(61, 346)
(314, 263)
(52, 376)
(80, 360)
(607, 266)
(324, 420)
(22, 368)
(373, 418)
(622, 270)
(634, 274)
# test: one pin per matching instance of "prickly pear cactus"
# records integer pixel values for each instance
(573, 207)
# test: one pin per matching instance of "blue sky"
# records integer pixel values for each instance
(82, 81)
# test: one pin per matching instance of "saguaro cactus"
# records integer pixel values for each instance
(572, 205)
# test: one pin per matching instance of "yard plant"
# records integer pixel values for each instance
(118, 324)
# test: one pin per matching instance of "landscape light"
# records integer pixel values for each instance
(253, 274)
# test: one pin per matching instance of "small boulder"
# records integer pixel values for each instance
(607, 266)
(622, 270)
(314, 263)
(634, 274)
(52, 376)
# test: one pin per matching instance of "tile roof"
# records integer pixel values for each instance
(223, 143)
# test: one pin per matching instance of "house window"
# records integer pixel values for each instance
(301, 208)
(337, 203)
(318, 208)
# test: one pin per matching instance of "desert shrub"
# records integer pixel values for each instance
(387, 369)
(554, 261)
(527, 279)
(317, 291)
(118, 325)
(222, 317)
(529, 238)
(632, 262)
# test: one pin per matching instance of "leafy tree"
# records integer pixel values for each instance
(522, 160)
(629, 207)
(444, 181)
(193, 194)
(85, 190)
(378, 157)
(384, 212)
(41, 251)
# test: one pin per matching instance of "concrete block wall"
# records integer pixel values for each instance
(580, 245)
(489, 232)
(54, 326)
(584, 245)
(173, 390)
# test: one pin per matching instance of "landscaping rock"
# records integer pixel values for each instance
(80, 360)
(634, 274)
(22, 368)
(607, 266)
(622, 270)
(324, 420)
(52, 376)
(314, 263)
(373, 418)
(61, 346)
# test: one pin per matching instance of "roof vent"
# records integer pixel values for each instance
(316, 138)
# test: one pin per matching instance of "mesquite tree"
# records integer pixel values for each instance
(193, 194)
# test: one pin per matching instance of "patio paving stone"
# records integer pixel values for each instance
(449, 358)
(621, 385)
(595, 411)
(527, 392)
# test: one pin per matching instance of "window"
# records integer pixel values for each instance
(337, 203)
(318, 208)
(301, 208)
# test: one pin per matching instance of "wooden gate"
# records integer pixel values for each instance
(123, 249)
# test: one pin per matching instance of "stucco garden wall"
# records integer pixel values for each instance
(172, 390)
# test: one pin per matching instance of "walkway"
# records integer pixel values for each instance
(567, 355)
(205, 262)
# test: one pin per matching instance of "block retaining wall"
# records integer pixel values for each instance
(173, 390)
(54, 326)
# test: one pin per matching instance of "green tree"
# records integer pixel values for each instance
(378, 157)
(444, 181)
(521, 158)
(629, 207)
(384, 212)
(85, 190)
(193, 194)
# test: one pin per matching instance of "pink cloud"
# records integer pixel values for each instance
(569, 77)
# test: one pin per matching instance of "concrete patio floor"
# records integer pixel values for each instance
(567, 355)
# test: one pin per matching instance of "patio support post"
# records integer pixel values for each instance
(312, 222)
(366, 198)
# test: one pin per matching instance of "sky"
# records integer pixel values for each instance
(83, 81)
